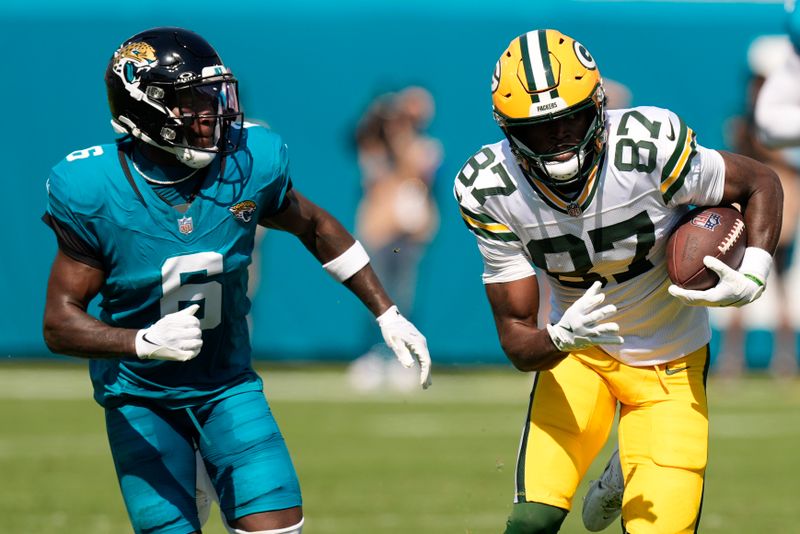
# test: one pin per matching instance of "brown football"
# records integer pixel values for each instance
(717, 231)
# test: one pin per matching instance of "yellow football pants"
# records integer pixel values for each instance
(663, 436)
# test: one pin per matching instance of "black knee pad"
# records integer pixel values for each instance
(535, 518)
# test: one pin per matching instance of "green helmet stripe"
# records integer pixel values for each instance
(526, 62)
(548, 69)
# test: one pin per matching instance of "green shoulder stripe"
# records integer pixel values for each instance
(508, 237)
(480, 217)
(672, 189)
(486, 227)
(673, 160)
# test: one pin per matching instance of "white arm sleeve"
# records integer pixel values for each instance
(777, 110)
(503, 262)
(705, 182)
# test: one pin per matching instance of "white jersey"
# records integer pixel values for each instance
(615, 230)
(777, 110)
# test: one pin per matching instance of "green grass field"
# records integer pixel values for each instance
(436, 462)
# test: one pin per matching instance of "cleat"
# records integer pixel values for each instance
(603, 502)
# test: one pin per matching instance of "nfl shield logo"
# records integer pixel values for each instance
(185, 225)
(707, 221)
(574, 210)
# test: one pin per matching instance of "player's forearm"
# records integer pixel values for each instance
(763, 209)
(70, 330)
(330, 240)
(529, 348)
(366, 286)
(757, 189)
(763, 215)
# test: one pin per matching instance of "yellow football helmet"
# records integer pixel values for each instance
(548, 98)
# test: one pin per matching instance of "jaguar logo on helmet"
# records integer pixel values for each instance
(132, 59)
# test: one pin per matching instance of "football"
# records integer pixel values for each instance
(717, 231)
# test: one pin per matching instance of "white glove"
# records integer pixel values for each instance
(176, 336)
(581, 325)
(735, 288)
(407, 343)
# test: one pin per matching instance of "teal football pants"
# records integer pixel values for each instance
(243, 449)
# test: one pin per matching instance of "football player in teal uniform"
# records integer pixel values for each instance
(160, 224)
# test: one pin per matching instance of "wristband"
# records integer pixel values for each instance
(347, 263)
(756, 264)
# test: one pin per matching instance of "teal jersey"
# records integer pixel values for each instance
(159, 259)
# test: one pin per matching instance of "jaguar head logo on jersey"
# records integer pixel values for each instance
(546, 84)
(243, 211)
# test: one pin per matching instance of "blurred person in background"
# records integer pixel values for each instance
(777, 108)
(762, 336)
(777, 118)
(161, 225)
(586, 198)
(397, 216)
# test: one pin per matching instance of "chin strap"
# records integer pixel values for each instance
(196, 159)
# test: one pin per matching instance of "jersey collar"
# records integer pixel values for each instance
(572, 205)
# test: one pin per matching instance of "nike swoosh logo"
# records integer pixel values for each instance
(568, 329)
(671, 135)
(144, 337)
(675, 370)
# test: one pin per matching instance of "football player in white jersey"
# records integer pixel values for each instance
(586, 197)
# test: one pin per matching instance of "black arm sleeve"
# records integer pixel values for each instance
(285, 202)
(72, 245)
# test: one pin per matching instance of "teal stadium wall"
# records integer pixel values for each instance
(309, 68)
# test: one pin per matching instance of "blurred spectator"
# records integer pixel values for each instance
(618, 95)
(777, 112)
(397, 216)
(761, 335)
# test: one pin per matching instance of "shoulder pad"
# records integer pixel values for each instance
(484, 175)
(82, 175)
(652, 141)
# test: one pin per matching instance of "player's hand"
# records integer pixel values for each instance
(407, 343)
(581, 325)
(735, 288)
(176, 336)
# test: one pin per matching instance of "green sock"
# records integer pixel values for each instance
(535, 518)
